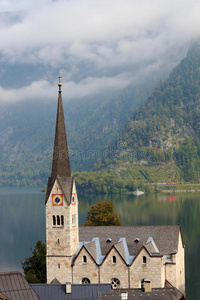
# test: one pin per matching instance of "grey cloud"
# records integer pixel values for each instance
(44, 90)
(108, 38)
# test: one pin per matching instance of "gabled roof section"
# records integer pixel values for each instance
(66, 184)
(93, 248)
(55, 281)
(60, 164)
(165, 237)
(123, 250)
(14, 286)
(151, 246)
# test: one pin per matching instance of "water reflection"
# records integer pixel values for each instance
(22, 223)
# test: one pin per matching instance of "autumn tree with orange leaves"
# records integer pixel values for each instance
(102, 214)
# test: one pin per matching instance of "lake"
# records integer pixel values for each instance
(22, 223)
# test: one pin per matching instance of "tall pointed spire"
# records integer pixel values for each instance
(60, 164)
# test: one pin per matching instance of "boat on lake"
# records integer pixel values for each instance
(138, 193)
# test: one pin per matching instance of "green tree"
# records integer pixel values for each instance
(102, 214)
(35, 266)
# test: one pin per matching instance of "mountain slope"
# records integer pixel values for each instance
(27, 132)
(165, 130)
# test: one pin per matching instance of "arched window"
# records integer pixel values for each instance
(54, 220)
(115, 283)
(62, 220)
(85, 281)
(84, 259)
(144, 260)
(114, 259)
(58, 220)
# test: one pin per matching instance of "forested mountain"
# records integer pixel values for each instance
(27, 132)
(161, 140)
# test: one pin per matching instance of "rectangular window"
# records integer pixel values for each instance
(74, 220)
(114, 259)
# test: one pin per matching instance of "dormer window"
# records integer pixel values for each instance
(136, 240)
(114, 259)
(108, 240)
(84, 259)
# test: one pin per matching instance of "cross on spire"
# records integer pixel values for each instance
(59, 83)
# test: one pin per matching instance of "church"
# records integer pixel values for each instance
(126, 257)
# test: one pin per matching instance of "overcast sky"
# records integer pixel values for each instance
(95, 44)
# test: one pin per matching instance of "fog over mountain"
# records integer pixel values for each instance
(95, 45)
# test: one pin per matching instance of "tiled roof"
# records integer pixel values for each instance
(151, 247)
(13, 286)
(163, 238)
(137, 294)
(92, 249)
(79, 291)
(120, 248)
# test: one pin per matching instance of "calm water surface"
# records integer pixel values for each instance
(22, 223)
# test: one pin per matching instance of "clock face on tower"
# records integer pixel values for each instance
(73, 199)
(57, 199)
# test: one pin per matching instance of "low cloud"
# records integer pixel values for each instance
(97, 41)
(44, 90)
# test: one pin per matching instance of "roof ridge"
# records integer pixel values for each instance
(11, 273)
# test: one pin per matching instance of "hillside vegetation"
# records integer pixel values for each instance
(124, 144)
(161, 138)
(27, 132)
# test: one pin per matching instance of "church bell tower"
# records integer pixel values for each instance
(62, 236)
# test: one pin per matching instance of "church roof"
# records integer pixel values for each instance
(78, 291)
(13, 286)
(137, 294)
(128, 241)
(60, 163)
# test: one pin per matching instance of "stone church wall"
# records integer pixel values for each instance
(118, 270)
(175, 272)
(87, 269)
(151, 270)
